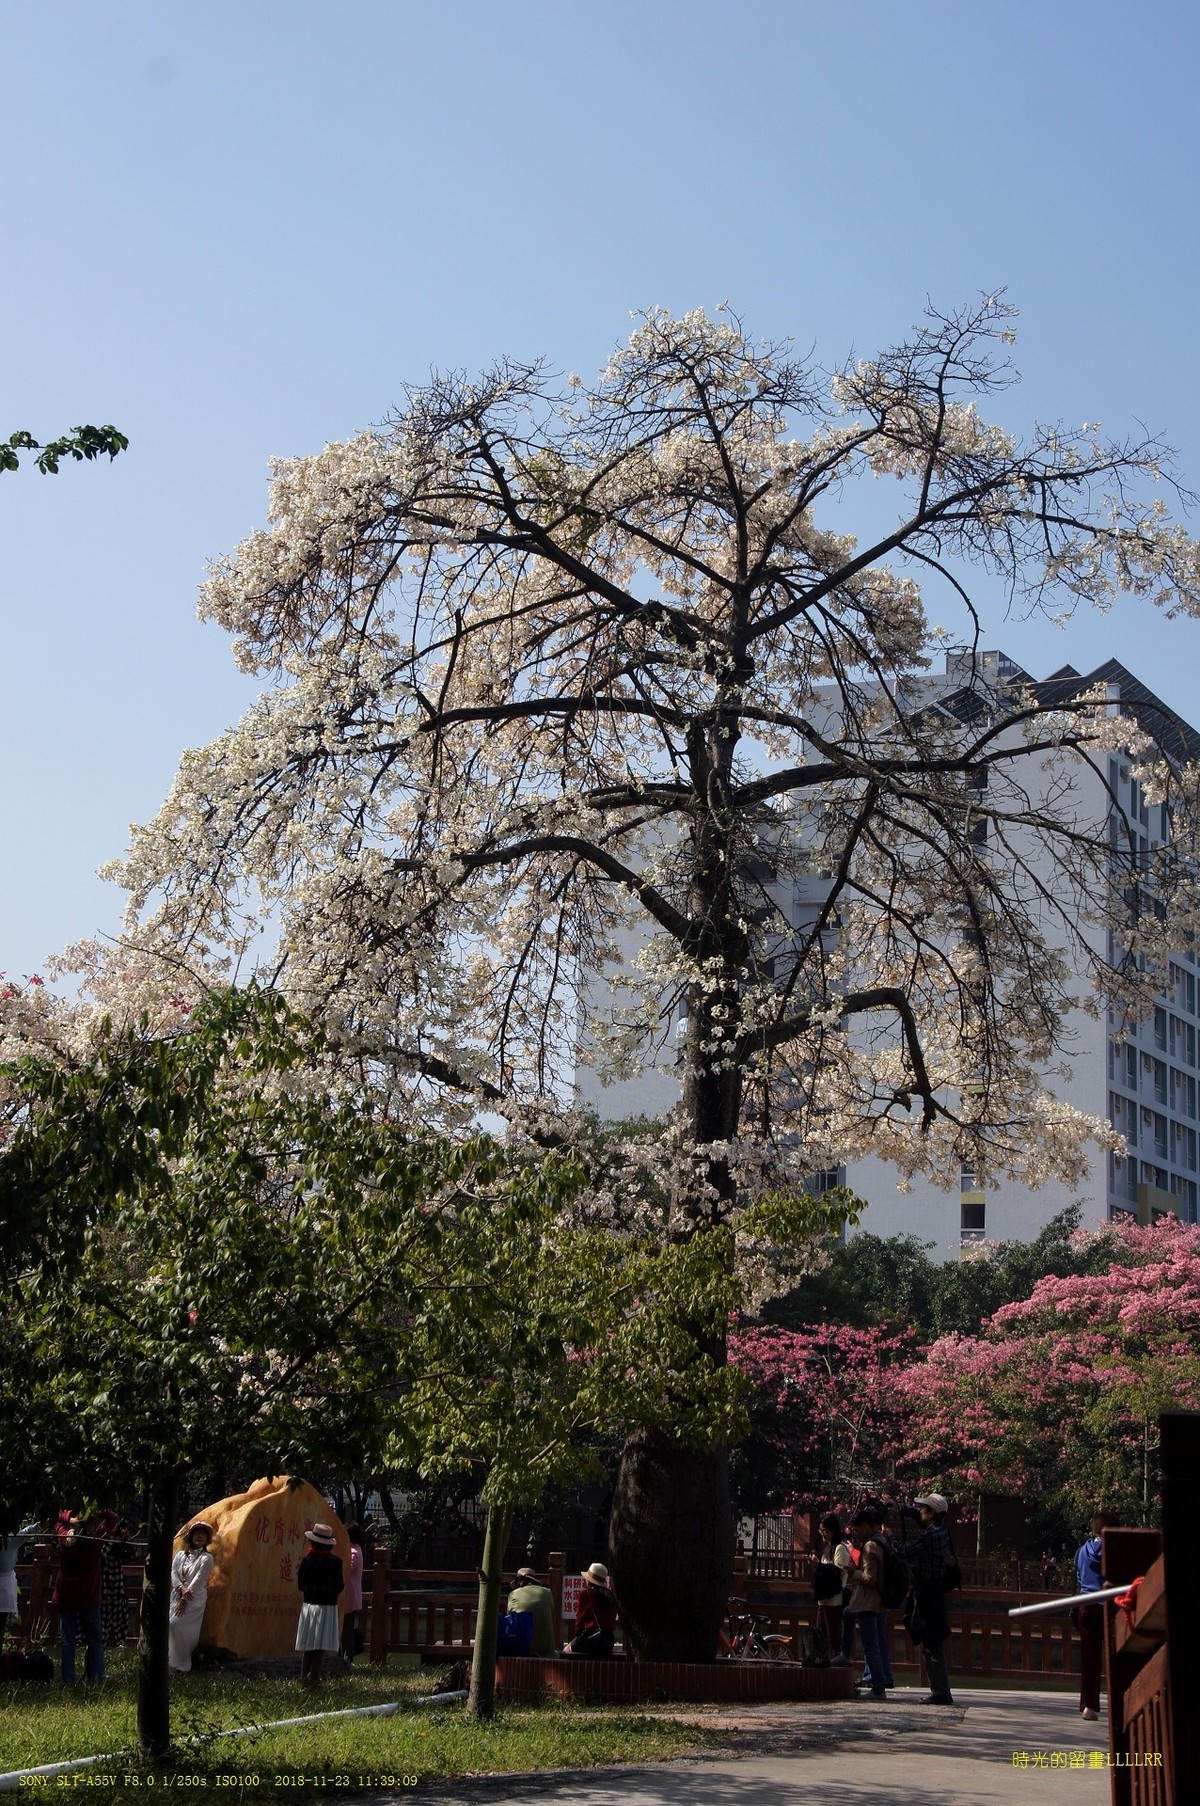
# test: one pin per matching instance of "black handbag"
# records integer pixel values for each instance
(827, 1581)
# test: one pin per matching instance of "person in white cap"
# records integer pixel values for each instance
(596, 1621)
(927, 1555)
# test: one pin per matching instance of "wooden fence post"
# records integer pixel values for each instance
(1179, 1454)
(38, 1608)
(558, 1562)
(381, 1574)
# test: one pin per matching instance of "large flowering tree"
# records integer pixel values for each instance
(554, 670)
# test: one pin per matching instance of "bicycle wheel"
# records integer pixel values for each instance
(778, 1649)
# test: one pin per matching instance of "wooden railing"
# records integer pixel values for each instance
(36, 1585)
(1027, 1579)
(984, 1644)
(432, 1612)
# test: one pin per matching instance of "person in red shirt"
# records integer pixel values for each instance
(77, 1591)
(352, 1598)
(596, 1621)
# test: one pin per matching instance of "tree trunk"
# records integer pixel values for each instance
(671, 1536)
(671, 1531)
(154, 1675)
(482, 1701)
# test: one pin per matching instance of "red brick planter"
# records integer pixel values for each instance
(517, 1677)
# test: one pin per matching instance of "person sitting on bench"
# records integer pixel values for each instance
(596, 1621)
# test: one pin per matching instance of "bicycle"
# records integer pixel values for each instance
(745, 1640)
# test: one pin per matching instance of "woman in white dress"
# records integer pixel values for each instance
(189, 1594)
(321, 1582)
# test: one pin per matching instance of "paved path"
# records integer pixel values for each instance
(851, 1754)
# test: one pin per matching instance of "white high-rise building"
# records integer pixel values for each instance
(1143, 1078)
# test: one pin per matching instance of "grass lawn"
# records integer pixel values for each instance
(52, 1723)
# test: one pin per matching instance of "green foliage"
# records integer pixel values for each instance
(81, 443)
(534, 1341)
(891, 1282)
(205, 1260)
(200, 1259)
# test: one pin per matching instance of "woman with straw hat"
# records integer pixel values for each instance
(189, 1594)
(596, 1620)
(321, 1582)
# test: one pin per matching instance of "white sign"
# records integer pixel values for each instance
(572, 1588)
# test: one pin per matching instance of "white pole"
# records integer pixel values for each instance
(1070, 1599)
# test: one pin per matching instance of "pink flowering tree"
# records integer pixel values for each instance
(827, 1419)
(1058, 1399)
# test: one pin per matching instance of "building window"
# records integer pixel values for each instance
(1185, 1191)
(1122, 1180)
(973, 1224)
(1183, 989)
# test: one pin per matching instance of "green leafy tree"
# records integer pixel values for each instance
(538, 1339)
(202, 1262)
(205, 1259)
(892, 1283)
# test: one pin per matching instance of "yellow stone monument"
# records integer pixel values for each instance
(258, 1544)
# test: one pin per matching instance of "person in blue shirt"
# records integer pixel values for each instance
(1089, 1619)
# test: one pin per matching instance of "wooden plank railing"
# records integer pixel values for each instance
(983, 1645)
(981, 1573)
(35, 1581)
(432, 1612)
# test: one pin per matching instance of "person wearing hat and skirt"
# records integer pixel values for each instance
(189, 1595)
(596, 1619)
(926, 1555)
(321, 1582)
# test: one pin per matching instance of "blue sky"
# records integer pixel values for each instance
(237, 230)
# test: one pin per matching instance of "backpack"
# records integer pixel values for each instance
(514, 1634)
(893, 1584)
(951, 1573)
(20, 1665)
